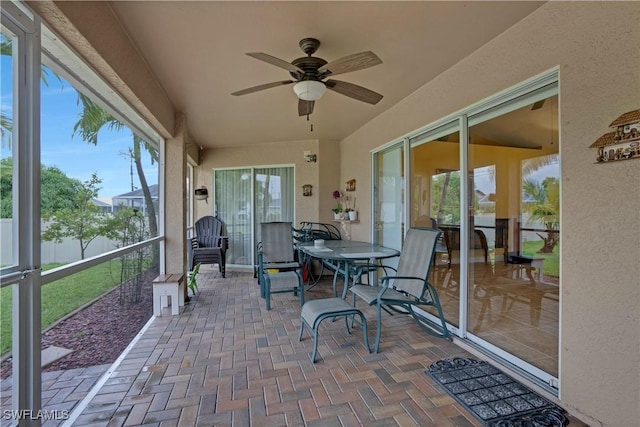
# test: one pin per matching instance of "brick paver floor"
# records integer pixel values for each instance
(227, 361)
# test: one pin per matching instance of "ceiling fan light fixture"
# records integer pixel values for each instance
(309, 90)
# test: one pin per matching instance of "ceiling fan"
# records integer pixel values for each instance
(309, 74)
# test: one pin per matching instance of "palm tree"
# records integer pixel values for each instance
(6, 121)
(92, 119)
(545, 208)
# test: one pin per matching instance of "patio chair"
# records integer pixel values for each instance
(409, 285)
(278, 269)
(210, 244)
(452, 243)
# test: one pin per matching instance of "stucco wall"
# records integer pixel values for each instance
(597, 49)
(322, 175)
(596, 46)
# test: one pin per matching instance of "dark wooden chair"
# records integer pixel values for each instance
(210, 244)
(452, 243)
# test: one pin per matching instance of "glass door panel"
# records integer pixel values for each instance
(233, 203)
(435, 203)
(389, 197)
(513, 293)
(273, 196)
(244, 198)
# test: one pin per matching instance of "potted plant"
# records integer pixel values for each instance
(192, 284)
(337, 211)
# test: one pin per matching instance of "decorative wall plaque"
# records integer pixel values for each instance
(623, 142)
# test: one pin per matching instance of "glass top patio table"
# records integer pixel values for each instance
(341, 255)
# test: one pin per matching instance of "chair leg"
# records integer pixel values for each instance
(363, 320)
(315, 344)
(346, 322)
(379, 327)
(301, 330)
(267, 292)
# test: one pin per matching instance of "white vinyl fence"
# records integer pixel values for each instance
(65, 252)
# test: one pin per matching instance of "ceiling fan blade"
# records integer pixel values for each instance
(354, 62)
(354, 91)
(305, 107)
(261, 87)
(276, 61)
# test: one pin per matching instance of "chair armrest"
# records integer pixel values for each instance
(224, 242)
(194, 243)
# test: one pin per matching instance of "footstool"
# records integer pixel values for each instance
(167, 286)
(315, 311)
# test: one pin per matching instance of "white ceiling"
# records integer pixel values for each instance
(197, 52)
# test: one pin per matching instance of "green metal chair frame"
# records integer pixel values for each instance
(276, 252)
(409, 286)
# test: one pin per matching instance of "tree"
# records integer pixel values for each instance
(446, 197)
(545, 208)
(57, 189)
(92, 119)
(6, 119)
(83, 221)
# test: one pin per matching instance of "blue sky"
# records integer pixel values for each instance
(75, 157)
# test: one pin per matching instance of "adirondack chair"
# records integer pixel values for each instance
(409, 286)
(278, 269)
(209, 245)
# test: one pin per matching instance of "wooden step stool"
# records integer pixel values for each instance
(167, 286)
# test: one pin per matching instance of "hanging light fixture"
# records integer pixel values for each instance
(309, 90)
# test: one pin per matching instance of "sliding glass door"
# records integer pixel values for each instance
(513, 296)
(489, 179)
(246, 197)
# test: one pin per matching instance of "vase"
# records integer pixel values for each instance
(337, 215)
(353, 215)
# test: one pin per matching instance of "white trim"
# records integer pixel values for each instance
(82, 405)
(464, 225)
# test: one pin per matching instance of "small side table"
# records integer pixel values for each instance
(167, 286)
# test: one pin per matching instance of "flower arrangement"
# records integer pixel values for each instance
(343, 203)
(337, 196)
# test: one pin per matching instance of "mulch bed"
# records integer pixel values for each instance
(98, 333)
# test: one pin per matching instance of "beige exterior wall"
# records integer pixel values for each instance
(175, 224)
(322, 175)
(596, 47)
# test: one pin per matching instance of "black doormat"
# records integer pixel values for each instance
(494, 397)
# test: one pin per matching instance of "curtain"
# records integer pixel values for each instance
(244, 198)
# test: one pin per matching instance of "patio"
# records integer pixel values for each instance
(226, 361)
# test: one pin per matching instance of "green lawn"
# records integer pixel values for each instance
(61, 297)
(551, 261)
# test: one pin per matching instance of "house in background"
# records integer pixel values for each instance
(135, 199)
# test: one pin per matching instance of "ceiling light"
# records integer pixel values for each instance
(309, 90)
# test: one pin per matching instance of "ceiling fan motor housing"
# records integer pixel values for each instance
(310, 65)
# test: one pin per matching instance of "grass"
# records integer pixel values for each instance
(551, 261)
(61, 297)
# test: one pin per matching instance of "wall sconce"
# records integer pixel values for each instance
(306, 190)
(201, 194)
(309, 158)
